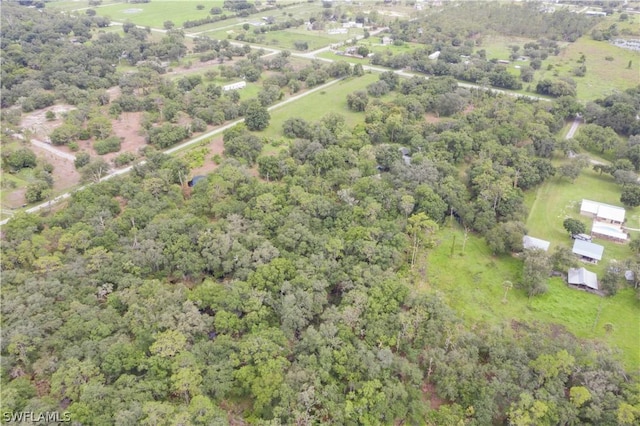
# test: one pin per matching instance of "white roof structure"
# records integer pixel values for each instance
(234, 86)
(580, 276)
(609, 230)
(603, 211)
(588, 249)
(534, 243)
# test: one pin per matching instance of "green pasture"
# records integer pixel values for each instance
(315, 39)
(316, 105)
(476, 291)
(498, 46)
(218, 30)
(603, 75)
(374, 44)
(350, 59)
(155, 13)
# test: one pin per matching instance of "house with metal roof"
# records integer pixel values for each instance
(534, 243)
(602, 212)
(588, 251)
(583, 278)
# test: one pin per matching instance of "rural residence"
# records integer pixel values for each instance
(587, 251)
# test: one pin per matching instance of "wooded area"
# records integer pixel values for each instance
(280, 288)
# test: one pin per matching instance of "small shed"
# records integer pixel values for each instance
(534, 243)
(588, 251)
(583, 278)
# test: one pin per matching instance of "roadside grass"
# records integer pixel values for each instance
(476, 291)
(314, 106)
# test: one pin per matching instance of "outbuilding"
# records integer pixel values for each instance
(582, 278)
(588, 251)
(534, 243)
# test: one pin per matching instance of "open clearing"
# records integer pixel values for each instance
(602, 74)
(313, 107)
(476, 292)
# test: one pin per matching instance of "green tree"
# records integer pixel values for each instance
(420, 228)
(37, 191)
(630, 195)
(256, 117)
(574, 226)
(536, 271)
(95, 170)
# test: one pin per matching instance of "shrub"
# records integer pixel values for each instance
(111, 144)
(82, 159)
(124, 159)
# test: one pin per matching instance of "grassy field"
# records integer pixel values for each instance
(476, 292)
(350, 59)
(154, 14)
(497, 47)
(602, 75)
(316, 105)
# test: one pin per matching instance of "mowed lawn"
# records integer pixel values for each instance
(476, 291)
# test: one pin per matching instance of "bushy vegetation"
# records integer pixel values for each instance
(283, 292)
(291, 298)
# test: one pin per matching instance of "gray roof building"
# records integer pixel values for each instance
(588, 250)
(580, 276)
(534, 243)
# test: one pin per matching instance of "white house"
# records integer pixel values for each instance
(234, 86)
(602, 212)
